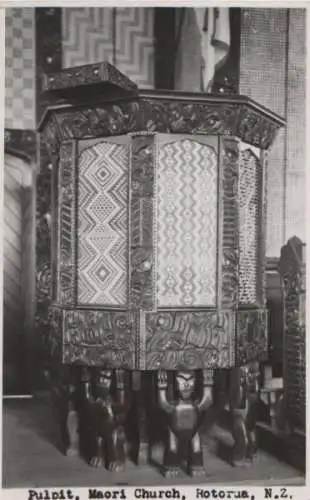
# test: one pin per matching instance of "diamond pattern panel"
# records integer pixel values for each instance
(19, 68)
(88, 38)
(186, 224)
(102, 219)
(249, 203)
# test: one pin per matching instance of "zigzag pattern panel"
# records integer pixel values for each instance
(88, 38)
(186, 224)
(103, 224)
(249, 218)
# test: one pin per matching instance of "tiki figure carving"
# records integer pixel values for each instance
(104, 417)
(184, 416)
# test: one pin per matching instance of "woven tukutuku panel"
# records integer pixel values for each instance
(102, 219)
(249, 219)
(186, 224)
(262, 77)
(20, 68)
(88, 37)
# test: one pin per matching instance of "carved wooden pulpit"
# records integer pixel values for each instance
(159, 210)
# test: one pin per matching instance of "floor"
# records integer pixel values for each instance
(31, 458)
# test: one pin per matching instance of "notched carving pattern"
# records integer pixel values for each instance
(189, 339)
(229, 229)
(162, 115)
(99, 338)
(67, 226)
(141, 252)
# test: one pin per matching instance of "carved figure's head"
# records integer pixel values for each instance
(104, 380)
(185, 384)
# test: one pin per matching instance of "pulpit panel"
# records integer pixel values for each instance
(250, 200)
(186, 221)
(102, 213)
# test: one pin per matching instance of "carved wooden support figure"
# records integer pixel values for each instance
(106, 416)
(244, 401)
(184, 418)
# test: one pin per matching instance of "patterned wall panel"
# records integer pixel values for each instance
(19, 68)
(88, 37)
(186, 224)
(262, 77)
(103, 224)
(296, 128)
(249, 217)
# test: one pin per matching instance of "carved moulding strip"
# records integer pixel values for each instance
(66, 254)
(251, 335)
(161, 114)
(98, 338)
(195, 340)
(142, 165)
(228, 224)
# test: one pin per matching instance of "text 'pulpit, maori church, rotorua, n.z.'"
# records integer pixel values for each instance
(158, 222)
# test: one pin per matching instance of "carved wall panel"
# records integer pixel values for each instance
(293, 276)
(176, 340)
(99, 338)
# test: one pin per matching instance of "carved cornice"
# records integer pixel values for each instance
(157, 111)
(91, 74)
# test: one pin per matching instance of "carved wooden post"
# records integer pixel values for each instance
(293, 275)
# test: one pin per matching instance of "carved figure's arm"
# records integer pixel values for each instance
(162, 385)
(87, 395)
(120, 386)
(207, 397)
